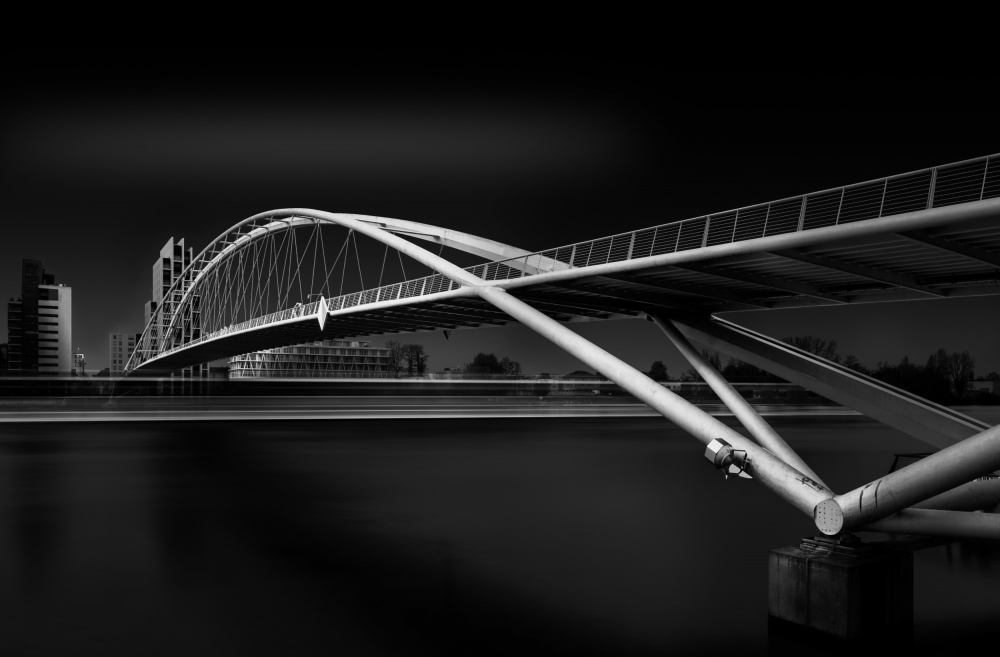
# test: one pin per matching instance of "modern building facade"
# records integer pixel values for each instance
(168, 268)
(327, 359)
(40, 324)
(79, 364)
(120, 348)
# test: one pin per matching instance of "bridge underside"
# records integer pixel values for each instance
(944, 263)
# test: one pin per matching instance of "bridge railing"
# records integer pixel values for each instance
(961, 182)
(280, 316)
(951, 184)
(413, 288)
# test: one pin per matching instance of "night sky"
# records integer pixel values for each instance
(104, 156)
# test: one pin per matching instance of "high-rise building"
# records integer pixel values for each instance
(3, 357)
(328, 359)
(121, 346)
(168, 268)
(79, 363)
(40, 324)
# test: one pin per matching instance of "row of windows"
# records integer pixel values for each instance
(328, 350)
(272, 356)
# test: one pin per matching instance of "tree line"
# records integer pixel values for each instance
(490, 364)
(406, 358)
(412, 359)
(944, 377)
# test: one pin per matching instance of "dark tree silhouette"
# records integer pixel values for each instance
(658, 371)
(510, 367)
(395, 356)
(415, 358)
(740, 371)
(490, 364)
(961, 369)
(691, 375)
(821, 348)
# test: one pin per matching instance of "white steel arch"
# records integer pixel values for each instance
(265, 224)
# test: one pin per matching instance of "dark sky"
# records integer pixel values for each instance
(106, 155)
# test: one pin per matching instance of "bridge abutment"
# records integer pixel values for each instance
(842, 587)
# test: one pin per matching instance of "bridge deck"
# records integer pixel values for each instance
(930, 234)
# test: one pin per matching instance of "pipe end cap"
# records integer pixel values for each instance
(829, 517)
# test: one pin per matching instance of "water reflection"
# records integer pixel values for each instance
(432, 536)
(32, 480)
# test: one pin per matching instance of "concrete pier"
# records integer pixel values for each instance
(842, 587)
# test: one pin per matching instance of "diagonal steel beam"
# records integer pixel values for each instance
(707, 291)
(783, 284)
(741, 408)
(952, 466)
(644, 300)
(932, 423)
(951, 246)
(574, 304)
(871, 273)
(570, 308)
(798, 489)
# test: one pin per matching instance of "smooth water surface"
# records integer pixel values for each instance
(470, 536)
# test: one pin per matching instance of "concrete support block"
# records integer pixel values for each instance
(841, 587)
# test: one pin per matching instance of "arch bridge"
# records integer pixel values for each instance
(295, 275)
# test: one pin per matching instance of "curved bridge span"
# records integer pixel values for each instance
(290, 276)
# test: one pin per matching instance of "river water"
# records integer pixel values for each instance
(424, 536)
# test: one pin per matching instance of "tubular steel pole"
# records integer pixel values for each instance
(935, 522)
(973, 496)
(952, 466)
(791, 485)
(744, 412)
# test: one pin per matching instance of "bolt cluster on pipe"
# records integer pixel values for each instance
(796, 488)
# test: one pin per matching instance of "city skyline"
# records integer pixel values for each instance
(101, 166)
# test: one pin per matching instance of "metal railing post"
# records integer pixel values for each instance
(986, 172)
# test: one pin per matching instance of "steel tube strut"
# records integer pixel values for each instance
(798, 489)
(932, 423)
(741, 408)
(981, 494)
(937, 473)
(934, 522)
